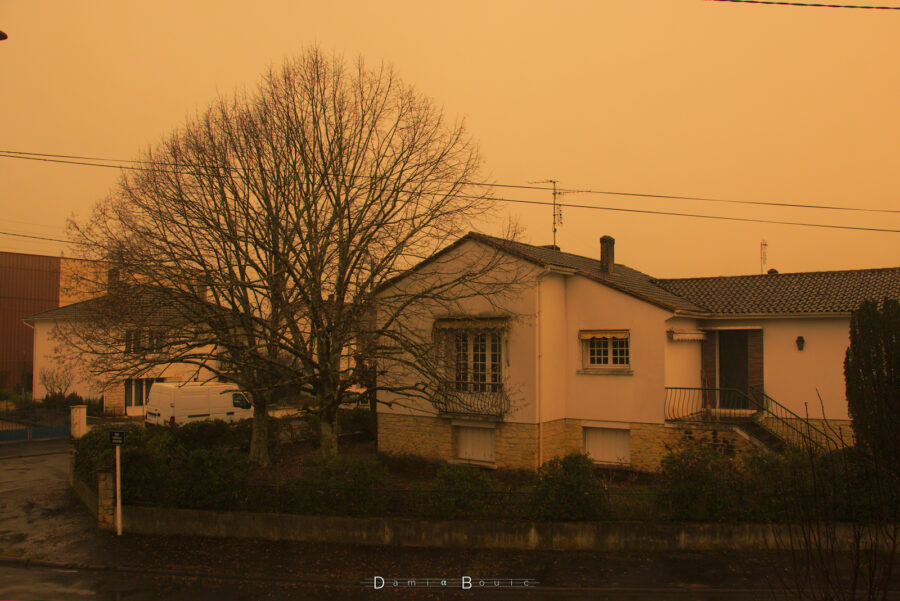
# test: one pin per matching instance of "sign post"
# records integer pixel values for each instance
(117, 439)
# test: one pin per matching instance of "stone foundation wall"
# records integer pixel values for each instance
(516, 445)
(426, 436)
(650, 443)
(561, 437)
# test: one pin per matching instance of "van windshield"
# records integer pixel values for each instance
(240, 401)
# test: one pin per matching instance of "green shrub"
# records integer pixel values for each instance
(850, 485)
(337, 486)
(460, 492)
(699, 485)
(412, 466)
(93, 452)
(569, 490)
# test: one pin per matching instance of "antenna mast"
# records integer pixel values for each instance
(557, 208)
(763, 246)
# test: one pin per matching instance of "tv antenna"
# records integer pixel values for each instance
(763, 246)
(557, 208)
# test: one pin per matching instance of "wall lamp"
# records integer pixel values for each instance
(801, 342)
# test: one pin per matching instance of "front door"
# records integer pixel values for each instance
(733, 369)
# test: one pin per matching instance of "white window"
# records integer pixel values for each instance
(608, 445)
(605, 349)
(476, 360)
(475, 444)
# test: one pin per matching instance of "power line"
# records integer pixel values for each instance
(129, 165)
(814, 4)
(604, 208)
(700, 216)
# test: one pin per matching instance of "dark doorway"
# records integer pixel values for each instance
(733, 368)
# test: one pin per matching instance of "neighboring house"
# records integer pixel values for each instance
(29, 284)
(594, 356)
(121, 396)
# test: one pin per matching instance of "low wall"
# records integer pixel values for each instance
(450, 534)
(462, 534)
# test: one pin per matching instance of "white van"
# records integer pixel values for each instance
(181, 403)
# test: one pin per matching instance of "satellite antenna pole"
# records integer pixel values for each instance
(557, 208)
(763, 246)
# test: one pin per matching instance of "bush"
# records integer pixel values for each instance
(770, 483)
(699, 485)
(337, 486)
(569, 490)
(460, 492)
(93, 452)
(195, 466)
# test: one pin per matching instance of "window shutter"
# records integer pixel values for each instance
(608, 445)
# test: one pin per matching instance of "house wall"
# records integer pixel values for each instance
(683, 359)
(44, 348)
(84, 385)
(520, 352)
(796, 378)
(636, 397)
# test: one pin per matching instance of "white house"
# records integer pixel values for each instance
(593, 355)
(121, 396)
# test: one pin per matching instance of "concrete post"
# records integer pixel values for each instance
(106, 501)
(78, 420)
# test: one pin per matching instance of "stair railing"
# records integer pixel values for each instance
(787, 425)
(730, 405)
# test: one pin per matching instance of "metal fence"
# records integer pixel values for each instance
(34, 423)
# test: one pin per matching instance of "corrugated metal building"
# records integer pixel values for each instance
(29, 284)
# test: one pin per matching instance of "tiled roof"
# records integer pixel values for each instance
(780, 293)
(622, 278)
(139, 303)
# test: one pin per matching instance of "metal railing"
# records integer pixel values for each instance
(492, 401)
(787, 425)
(709, 404)
(733, 406)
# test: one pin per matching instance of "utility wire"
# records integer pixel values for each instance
(814, 4)
(699, 216)
(130, 165)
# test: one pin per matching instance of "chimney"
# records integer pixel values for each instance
(607, 254)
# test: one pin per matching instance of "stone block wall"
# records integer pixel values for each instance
(426, 436)
(516, 445)
(561, 437)
(106, 501)
(650, 443)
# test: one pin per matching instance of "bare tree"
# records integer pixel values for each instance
(56, 380)
(290, 209)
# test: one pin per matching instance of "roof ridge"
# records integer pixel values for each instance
(787, 273)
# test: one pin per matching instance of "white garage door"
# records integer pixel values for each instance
(608, 445)
(475, 444)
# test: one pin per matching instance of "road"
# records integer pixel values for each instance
(50, 549)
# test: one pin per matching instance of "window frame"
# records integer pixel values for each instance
(606, 358)
(475, 359)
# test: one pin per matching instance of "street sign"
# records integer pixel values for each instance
(116, 438)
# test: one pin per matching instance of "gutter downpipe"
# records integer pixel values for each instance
(537, 391)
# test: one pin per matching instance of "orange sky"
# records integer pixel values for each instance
(680, 97)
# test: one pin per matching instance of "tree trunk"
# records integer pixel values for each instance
(329, 431)
(259, 439)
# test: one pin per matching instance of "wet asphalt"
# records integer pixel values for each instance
(50, 548)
